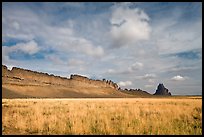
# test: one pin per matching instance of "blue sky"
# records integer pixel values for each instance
(137, 45)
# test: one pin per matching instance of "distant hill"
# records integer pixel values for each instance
(22, 83)
(136, 92)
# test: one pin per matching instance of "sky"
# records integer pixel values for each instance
(136, 45)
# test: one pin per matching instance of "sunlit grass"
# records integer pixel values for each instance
(102, 116)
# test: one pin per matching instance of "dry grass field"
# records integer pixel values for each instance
(102, 116)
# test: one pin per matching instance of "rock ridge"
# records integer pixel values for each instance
(34, 76)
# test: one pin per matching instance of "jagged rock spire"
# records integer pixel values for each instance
(161, 90)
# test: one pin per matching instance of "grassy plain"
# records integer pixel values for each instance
(113, 116)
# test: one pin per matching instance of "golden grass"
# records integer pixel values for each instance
(102, 116)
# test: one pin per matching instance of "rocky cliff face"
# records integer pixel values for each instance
(22, 83)
(5, 71)
(28, 76)
(137, 92)
(161, 90)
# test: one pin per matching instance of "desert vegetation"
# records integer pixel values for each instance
(102, 116)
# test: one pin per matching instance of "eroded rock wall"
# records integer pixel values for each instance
(75, 80)
(5, 71)
(98, 83)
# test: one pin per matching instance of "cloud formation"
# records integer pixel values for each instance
(129, 26)
(147, 76)
(60, 38)
(30, 47)
(178, 78)
(136, 66)
(149, 86)
(16, 25)
(124, 83)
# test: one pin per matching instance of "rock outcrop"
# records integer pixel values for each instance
(24, 75)
(137, 92)
(22, 83)
(161, 90)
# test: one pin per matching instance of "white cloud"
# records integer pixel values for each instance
(5, 53)
(147, 76)
(19, 36)
(87, 47)
(54, 59)
(60, 38)
(77, 65)
(16, 25)
(129, 70)
(175, 38)
(78, 45)
(19, 48)
(65, 40)
(149, 86)
(136, 66)
(75, 62)
(129, 26)
(111, 71)
(30, 47)
(151, 80)
(124, 83)
(179, 78)
(182, 68)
